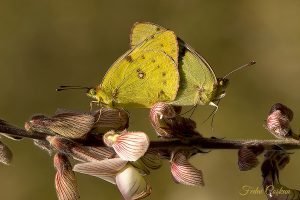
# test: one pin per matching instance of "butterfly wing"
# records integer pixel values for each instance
(140, 31)
(145, 74)
(197, 79)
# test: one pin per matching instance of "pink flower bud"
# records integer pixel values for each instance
(110, 119)
(79, 152)
(70, 125)
(5, 154)
(247, 157)
(65, 181)
(183, 172)
(278, 122)
(168, 124)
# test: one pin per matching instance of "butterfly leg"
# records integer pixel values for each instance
(92, 103)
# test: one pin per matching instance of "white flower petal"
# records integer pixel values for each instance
(128, 145)
(105, 169)
(131, 184)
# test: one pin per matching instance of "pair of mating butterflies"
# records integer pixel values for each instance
(159, 67)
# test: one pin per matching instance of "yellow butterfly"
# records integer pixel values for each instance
(144, 75)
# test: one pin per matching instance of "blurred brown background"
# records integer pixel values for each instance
(44, 44)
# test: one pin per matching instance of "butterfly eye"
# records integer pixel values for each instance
(92, 92)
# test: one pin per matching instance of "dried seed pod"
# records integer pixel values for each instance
(278, 122)
(5, 154)
(247, 156)
(110, 119)
(77, 151)
(65, 181)
(168, 124)
(128, 145)
(183, 172)
(70, 125)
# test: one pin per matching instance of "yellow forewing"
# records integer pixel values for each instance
(146, 74)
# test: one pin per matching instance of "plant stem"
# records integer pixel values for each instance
(167, 144)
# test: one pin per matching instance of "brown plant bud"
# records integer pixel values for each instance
(279, 156)
(183, 172)
(247, 156)
(276, 160)
(129, 146)
(278, 122)
(168, 124)
(65, 181)
(79, 152)
(5, 154)
(110, 119)
(70, 125)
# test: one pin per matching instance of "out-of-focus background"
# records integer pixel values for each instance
(44, 44)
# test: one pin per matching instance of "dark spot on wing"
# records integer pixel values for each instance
(153, 60)
(143, 57)
(141, 74)
(158, 66)
(157, 29)
(161, 93)
(152, 36)
(162, 45)
(165, 82)
(163, 74)
(129, 58)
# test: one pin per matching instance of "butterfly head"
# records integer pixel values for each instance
(222, 84)
(100, 96)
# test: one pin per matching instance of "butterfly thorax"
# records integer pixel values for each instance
(215, 93)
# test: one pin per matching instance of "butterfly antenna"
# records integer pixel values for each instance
(239, 68)
(71, 87)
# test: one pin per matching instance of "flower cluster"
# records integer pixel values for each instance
(102, 146)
